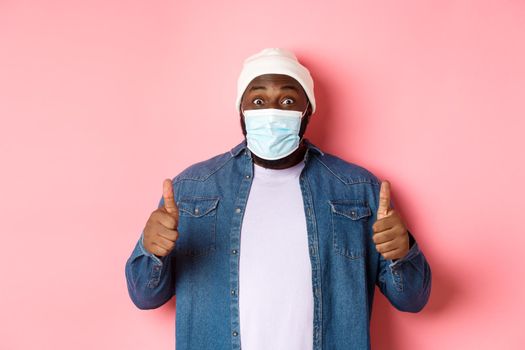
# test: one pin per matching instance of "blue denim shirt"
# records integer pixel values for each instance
(202, 271)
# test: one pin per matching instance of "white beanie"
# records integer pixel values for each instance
(274, 61)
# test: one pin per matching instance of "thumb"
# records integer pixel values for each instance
(169, 198)
(384, 200)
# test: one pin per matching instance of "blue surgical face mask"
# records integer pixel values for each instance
(272, 133)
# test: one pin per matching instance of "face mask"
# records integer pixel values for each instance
(272, 133)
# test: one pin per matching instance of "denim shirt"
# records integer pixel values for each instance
(202, 271)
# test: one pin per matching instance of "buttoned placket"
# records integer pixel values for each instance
(313, 250)
(235, 242)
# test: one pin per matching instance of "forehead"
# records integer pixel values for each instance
(274, 80)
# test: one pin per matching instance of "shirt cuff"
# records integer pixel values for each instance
(413, 251)
(158, 260)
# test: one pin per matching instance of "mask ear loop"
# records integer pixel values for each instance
(302, 116)
(304, 113)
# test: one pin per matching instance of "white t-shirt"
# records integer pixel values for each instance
(275, 275)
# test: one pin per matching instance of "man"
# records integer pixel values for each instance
(276, 244)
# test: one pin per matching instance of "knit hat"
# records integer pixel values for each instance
(274, 61)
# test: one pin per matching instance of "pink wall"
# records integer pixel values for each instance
(101, 100)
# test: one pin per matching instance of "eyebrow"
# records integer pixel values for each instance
(284, 87)
(289, 87)
(257, 88)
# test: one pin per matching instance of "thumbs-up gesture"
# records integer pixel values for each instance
(390, 233)
(160, 232)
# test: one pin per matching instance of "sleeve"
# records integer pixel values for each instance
(150, 279)
(406, 282)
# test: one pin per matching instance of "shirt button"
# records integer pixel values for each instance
(235, 333)
(233, 291)
(234, 251)
(247, 176)
(238, 210)
(196, 211)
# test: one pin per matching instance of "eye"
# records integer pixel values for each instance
(258, 102)
(287, 101)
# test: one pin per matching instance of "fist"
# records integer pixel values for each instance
(160, 232)
(390, 234)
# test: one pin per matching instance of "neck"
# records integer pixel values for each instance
(283, 163)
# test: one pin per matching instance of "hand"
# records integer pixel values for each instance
(390, 233)
(160, 232)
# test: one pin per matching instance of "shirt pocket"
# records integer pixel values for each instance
(349, 227)
(197, 226)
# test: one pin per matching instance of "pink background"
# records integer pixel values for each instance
(101, 100)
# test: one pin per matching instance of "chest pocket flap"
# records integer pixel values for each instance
(197, 207)
(352, 210)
